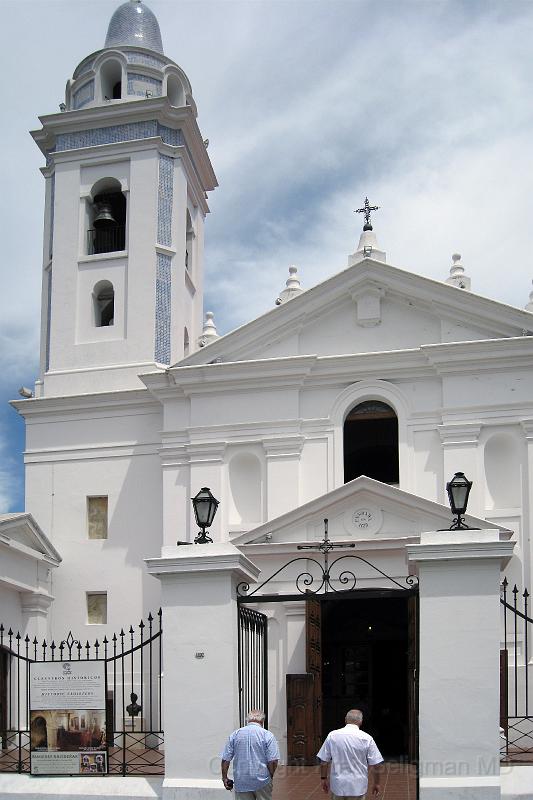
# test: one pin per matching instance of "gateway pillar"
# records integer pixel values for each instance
(200, 647)
(459, 574)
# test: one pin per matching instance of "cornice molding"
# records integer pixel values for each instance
(460, 551)
(485, 354)
(158, 108)
(210, 558)
(100, 402)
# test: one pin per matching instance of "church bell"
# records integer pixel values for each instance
(104, 215)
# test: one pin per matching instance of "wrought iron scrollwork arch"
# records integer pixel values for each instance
(324, 582)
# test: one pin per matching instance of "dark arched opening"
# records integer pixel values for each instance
(107, 218)
(371, 443)
(104, 304)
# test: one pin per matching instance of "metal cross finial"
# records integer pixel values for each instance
(367, 208)
(325, 547)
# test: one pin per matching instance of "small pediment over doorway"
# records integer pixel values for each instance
(364, 510)
(370, 524)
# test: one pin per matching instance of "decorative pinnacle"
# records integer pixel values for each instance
(209, 333)
(292, 286)
(367, 208)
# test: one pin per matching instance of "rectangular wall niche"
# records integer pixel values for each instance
(97, 517)
(97, 608)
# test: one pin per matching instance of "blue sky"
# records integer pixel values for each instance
(309, 105)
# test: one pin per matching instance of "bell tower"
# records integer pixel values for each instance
(127, 175)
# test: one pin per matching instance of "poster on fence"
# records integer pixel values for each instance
(68, 718)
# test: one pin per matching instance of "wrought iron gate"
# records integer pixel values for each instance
(133, 665)
(516, 698)
(253, 662)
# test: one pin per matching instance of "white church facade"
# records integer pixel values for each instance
(354, 402)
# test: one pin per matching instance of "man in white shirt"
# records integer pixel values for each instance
(350, 754)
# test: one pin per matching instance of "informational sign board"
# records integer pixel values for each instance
(68, 718)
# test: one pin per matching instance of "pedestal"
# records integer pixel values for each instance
(200, 643)
(459, 574)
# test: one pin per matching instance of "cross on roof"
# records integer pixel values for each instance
(367, 208)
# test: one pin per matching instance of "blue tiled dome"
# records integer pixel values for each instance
(134, 24)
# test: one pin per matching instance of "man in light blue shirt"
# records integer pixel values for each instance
(255, 755)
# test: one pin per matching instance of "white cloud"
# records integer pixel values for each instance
(309, 105)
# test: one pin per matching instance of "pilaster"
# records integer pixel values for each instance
(460, 442)
(283, 470)
(206, 463)
(175, 465)
(527, 516)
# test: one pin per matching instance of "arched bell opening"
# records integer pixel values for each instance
(371, 443)
(175, 92)
(111, 80)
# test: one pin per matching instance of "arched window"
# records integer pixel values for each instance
(107, 218)
(371, 443)
(104, 304)
(185, 342)
(111, 80)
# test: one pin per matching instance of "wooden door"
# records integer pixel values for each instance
(300, 741)
(412, 677)
(313, 659)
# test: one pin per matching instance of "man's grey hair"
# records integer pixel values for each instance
(354, 717)
(255, 715)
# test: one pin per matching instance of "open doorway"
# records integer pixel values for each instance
(361, 652)
(365, 666)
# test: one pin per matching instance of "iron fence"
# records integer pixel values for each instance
(133, 667)
(516, 701)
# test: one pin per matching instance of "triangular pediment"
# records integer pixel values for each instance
(21, 532)
(369, 307)
(363, 510)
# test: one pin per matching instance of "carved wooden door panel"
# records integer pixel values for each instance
(313, 658)
(300, 741)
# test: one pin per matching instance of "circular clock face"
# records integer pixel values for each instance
(362, 518)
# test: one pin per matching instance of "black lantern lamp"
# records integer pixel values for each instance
(205, 507)
(458, 490)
